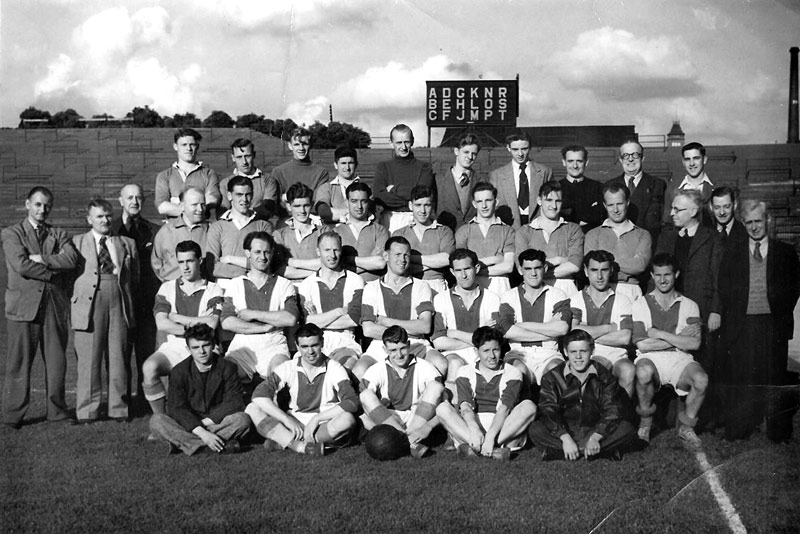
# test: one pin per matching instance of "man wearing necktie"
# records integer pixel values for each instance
(647, 192)
(131, 224)
(103, 314)
(454, 202)
(759, 284)
(518, 182)
(38, 258)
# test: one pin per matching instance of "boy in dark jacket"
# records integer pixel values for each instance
(580, 406)
(205, 405)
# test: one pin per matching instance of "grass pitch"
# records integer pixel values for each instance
(107, 477)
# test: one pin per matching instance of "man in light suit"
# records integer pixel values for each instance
(37, 257)
(102, 314)
(518, 182)
(454, 202)
(647, 192)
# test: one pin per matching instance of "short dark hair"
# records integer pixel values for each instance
(573, 336)
(299, 190)
(239, 181)
(309, 330)
(299, 132)
(40, 189)
(600, 256)
(189, 246)
(484, 186)
(574, 148)
(242, 143)
(724, 191)
(395, 334)
(615, 188)
(400, 240)
(198, 332)
(98, 202)
(260, 235)
(400, 128)
(549, 187)
(358, 186)
(485, 334)
(532, 255)
(345, 152)
(329, 235)
(463, 254)
(422, 191)
(467, 140)
(187, 132)
(694, 145)
(519, 135)
(664, 259)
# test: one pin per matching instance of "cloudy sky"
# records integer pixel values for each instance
(720, 65)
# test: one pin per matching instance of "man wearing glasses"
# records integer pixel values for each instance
(647, 192)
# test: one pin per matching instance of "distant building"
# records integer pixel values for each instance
(676, 137)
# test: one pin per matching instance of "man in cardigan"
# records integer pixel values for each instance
(37, 258)
(759, 286)
(205, 406)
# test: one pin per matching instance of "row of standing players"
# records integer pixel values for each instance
(547, 232)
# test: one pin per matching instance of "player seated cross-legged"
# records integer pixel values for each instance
(205, 401)
(331, 298)
(489, 418)
(397, 299)
(606, 316)
(460, 311)
(532, 317)
(322, 402)
(181, 303)
(402, 391)
(580, 406)
(666, 326)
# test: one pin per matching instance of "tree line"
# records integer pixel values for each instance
(323, 136)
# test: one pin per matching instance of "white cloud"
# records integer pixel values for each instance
(307, 112)
(112, 65)
(59, 78)
(706, 17)
(163, 90)
(615, 64)
(294, 16)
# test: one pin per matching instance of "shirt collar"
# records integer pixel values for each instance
(338, 181)
(256, 174)
(625, 227)
(317, 278)
(347, 220)
(383, 283)
(572, 180)
(201, 287)
(686, 185)
(568, 371)
(537, 225)
(492, 222)
(197, 165)
(98, 237)
(689, 231)
(435, 224)
(228, 216)
(315, 220)
(181, 221)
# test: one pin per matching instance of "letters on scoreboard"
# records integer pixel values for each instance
(478, 102)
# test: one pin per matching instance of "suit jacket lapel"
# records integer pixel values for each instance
(89, 250)
(511, 188)
(699, 240)
(213, 381)
(450, 191)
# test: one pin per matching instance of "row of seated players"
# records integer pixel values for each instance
(259, 305)
(579, 411)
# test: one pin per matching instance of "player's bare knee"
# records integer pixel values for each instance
(644, 373)
(433, 393)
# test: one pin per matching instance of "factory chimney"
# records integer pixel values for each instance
(794, 120)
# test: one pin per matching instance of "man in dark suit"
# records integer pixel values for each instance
(647, 192)
(698, 250)
(205, 403)
(759, 286)
(37, 258)
(723, 206)
(103, 313)
(582, 196)
(131, 224)
(518, 182)
(454, 201)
